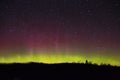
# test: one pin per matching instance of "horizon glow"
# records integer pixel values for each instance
(58, 58)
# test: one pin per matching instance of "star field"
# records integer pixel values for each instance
(88, 27)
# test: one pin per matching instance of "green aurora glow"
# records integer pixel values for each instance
(61, 58)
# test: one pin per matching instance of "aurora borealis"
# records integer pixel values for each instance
(55, 31)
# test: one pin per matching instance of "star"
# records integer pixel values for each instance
(88, 10)
(76, 33)
(81, 13)
(11, 30)
(87, 0)
(117, 4)
(31, 35)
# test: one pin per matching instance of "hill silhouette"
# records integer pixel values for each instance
(62, 71)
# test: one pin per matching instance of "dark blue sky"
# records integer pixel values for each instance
(81, 24)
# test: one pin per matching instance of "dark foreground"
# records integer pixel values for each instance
(35, 71)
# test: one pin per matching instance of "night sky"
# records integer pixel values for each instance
(89, 28)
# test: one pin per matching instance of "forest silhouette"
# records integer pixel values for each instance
(38, 71)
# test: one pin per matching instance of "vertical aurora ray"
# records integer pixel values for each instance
(56, 31)
(61, 57)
